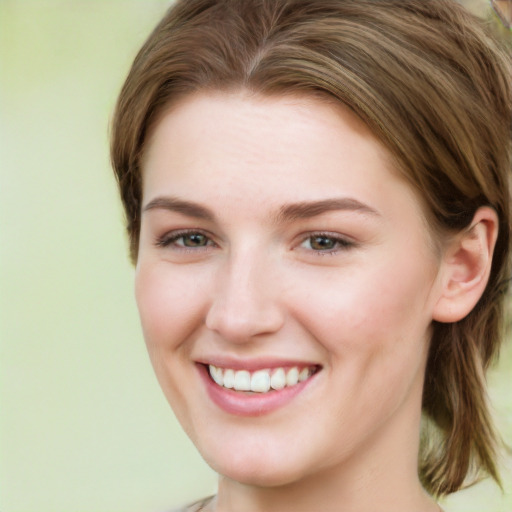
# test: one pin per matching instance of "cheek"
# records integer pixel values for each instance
(170, 311)
(369, 307)
(170, 304)
(374, 325)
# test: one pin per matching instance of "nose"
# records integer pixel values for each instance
(245, 302)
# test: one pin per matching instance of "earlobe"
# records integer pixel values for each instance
(466, 267)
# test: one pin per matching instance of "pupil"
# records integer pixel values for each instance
(322, 242)
(194, 240)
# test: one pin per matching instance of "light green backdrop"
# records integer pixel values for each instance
(83, 424)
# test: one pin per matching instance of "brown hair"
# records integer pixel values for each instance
(430, 83)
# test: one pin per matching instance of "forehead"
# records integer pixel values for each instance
(234, 116)
(272, 149)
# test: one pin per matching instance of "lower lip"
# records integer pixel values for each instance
(241, 403)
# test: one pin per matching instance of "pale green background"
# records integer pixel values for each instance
(83, 424)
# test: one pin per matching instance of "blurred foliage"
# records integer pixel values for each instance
(484, 10)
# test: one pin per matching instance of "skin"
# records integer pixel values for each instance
(254, 284)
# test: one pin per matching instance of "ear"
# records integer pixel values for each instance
(466, 267)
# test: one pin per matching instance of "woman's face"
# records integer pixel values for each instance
(278, 249)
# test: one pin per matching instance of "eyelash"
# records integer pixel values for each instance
(340, 243)
(171, 239)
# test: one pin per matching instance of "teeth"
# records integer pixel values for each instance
(303, 375)
(278, 379)
(292, 377)
(242, 380)
(216, 374)
(229, 378)
(261, 381)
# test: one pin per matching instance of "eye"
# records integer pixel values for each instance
(325, 242)
(185, 240)
(192, 240)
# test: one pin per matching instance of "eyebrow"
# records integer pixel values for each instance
(309, 209)
(173, 204)
(287, 213)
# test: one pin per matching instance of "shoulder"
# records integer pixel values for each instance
(197, 506)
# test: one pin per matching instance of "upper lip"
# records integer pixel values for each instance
(254, 364)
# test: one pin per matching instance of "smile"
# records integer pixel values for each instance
(260, 381)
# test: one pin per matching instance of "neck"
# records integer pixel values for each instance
(309, 500)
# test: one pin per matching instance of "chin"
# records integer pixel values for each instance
(255, 466)
(266, 476)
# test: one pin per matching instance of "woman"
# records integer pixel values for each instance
(317, 196)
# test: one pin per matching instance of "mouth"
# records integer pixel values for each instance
(263, 381)
(257, 387)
